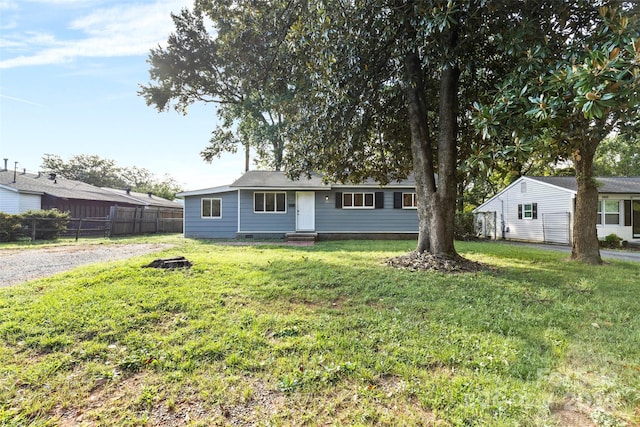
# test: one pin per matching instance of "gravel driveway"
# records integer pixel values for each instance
(20, 265)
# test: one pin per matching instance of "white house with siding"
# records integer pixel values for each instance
(541, 209)
(267, 204)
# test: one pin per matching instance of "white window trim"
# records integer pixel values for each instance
(275, 193)
(364, 193)
(602, 203)
(413, 200)
(525, 210)
(210, 199)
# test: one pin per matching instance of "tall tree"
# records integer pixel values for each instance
(579, 86)
(229, 53)
(391, 84)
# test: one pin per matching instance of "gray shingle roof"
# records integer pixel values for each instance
(60, 187)
(605, 184)
(146, 199)
(279, 180)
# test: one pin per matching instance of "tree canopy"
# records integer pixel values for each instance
(231, 54)
(618, 155)
(392, 88)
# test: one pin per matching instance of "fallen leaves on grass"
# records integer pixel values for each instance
(417, 261)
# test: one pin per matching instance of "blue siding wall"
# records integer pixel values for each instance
(266, 222)
(387, 220)
(211, 228)
(328, 218)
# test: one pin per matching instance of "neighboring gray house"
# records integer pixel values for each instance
(541, 209)
(148, 200)
(266, 204)
(21, 191)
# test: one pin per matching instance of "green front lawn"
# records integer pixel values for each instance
(324, 335)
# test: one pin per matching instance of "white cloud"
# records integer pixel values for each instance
(8, 5)
(123, 30)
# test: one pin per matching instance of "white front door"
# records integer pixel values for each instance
(305, 211)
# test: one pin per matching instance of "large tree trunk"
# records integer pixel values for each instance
(247, 150)
(585, 246)
(421, 148)
(443, 201)
(436, 204)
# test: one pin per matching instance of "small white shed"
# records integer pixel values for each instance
(13, 201)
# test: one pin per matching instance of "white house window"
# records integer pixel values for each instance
(599, 218)
(211, 208)
(610, 211)
(409, 201)
(358, 200)
(270, 202)
(528, 211)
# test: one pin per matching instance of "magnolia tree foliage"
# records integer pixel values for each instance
(574, 92)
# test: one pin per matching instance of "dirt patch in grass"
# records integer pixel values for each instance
(424, 261)
(394, 387)
(258, 403)
(104, 395)
(569, 415)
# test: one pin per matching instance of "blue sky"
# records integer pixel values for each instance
(69, 76)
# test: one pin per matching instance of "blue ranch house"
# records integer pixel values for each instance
(268, 205)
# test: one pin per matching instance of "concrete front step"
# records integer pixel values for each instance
(301, 237)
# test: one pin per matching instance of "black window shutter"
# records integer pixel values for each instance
(519, 211)
(627, 213)
(535, 211)
(338, 200)
(379, 200)
(397, 200)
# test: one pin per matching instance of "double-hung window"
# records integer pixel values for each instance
(409, 201)
(528, 211)
(211, 208)
(609, 212)
(270, 202)
(358, 200)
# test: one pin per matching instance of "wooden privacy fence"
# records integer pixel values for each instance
(125, 221)
(120, 222)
